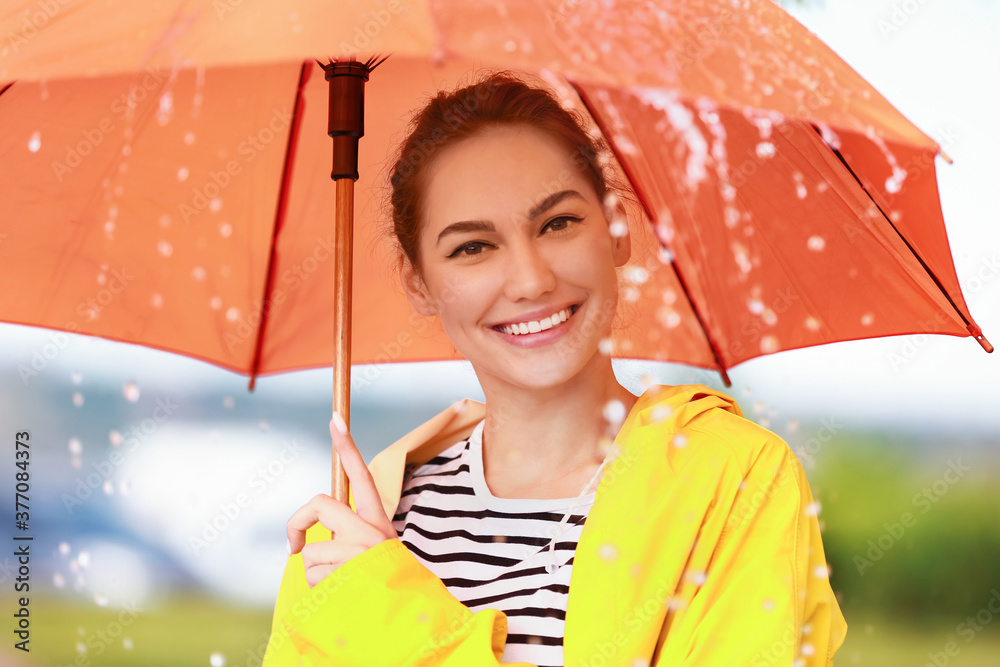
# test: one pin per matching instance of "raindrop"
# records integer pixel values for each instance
(510, 46)
(768, 344)
(637, 275)
(607, 551)
(793, 426)
(759, 407)
(812, 323)
(816, 243)
(263, 425)
(768, 605)
(115, 438)
(765, 149)
(75, 446)
(217, 660)
(233, 314)
(605, 346)
(696, 578)
(126, 151)
(64, 548)
(867, 319)
(127, 644)
(124, 487)
(157, 300)
(108, 487)
(58, 580)
(165, 248)
(101, 600)
(770, 317)
(807, 649)
(228, 401)
(756, 306)
(189, 138)
(215, 302)
(676, 603)
(619, 228)
(660, 412)
(84, 559)
(680, 441)
(164, 220)
(81, 647)
(77, 399)
(76, 463)
(215, 205)
(76, 377)
(800, 191)
(813, 508)
(823, 186)
(198, 273)
(631, 294)
(109, 228)
(131, 391)
(614, 411)
(35, 143)
(182, 174)
(166, 108)
(822, 571)
(226, 229)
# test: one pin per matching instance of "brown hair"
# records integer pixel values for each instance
(499, 98)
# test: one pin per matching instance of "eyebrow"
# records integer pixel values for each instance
(487, 226)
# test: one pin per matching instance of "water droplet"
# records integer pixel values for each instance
(226, 229)
(64, 548)
(614, 411)
(679, 441)
(81, 647)
(100, 600)
(636, 274)
(697, 578)
(58, 580)
(822, 571)
(127, 643)
(800, 191)
(619, 228)
(807, 649)
(792, 426)
(124, 487)
(215, 205)
(813, 508)
(756, 306)
(867, 319)
(108, 487)
(765, 149)
(660, 412)
(228, 401)
(198, 273)
(77, 399)
(263, 425)
(131, 391)
(182, 174)
(165, 248)
(189, 138)
(816, 243)
(608, 552)
(768, 605)
(157, 300)
(35, 142)
(605, 346)
(510, 46)
(769, 316)
(164, 220)
(215, 302)
(76, 377)
(812, 323)
(631, 294)
(675, 603)
(76, 463)
(83, 559)
(768, 344)
(233, 314)
(217, 660)
(115, 438)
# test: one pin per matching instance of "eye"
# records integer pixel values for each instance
(465, 246)
(561, 223)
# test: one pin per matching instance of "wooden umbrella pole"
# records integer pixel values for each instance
(343, 244)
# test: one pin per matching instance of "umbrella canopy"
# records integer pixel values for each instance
(165, 180)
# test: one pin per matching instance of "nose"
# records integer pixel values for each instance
(529, 273)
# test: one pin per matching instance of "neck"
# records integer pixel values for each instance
(549, 437)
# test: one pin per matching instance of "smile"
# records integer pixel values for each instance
(536, 326)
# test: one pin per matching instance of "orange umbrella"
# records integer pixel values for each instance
(164, 181)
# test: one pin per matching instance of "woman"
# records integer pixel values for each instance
(691, 539)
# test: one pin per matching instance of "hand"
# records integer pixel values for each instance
(354, 533)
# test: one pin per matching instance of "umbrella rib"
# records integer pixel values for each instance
(649, 214)
(7, 87)
(279, 218)
(972, 327)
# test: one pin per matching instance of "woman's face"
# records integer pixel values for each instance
(512, 232)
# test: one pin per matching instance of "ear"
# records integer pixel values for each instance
(621, 246)
(415, 289)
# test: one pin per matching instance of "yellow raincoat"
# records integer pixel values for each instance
(702, 549)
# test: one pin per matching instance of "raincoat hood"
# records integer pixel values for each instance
(702, 548)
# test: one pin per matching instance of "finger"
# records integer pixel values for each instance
(334, 515)
(318, 573)
(367, 500)
(331, 552)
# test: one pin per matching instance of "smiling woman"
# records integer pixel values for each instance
(686, 530)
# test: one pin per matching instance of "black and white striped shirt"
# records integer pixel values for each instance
(493, 552)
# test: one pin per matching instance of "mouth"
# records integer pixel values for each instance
(537, 326)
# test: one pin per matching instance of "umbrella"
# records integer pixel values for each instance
(164, 184)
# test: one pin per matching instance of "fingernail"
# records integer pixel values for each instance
(288, 547)
(338, 421)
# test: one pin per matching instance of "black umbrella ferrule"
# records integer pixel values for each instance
(347, 114)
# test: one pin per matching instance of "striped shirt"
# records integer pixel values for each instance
(493, 552)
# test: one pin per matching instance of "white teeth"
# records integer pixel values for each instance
(534, 326)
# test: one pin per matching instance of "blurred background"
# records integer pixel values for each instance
(161, 486)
